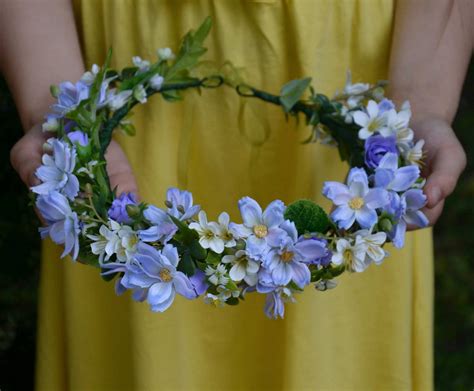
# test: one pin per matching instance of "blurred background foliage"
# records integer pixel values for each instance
(454, 269)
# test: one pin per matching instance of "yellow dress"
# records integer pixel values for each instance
(374, 332)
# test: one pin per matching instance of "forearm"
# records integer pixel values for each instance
(39, 46)
(431, 48)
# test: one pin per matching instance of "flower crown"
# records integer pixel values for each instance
(277, 251)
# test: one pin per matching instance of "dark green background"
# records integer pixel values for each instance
(19, 249)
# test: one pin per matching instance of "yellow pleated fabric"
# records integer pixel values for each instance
(374, 332)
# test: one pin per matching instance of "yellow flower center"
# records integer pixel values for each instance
(347, 255)
(165, 275)
(287, 256)
(260, 231)
(356, 203)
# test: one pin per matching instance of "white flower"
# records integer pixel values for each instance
(51, 124)
(374, 242)
(208, 233)
(117, 100)
(243, 268)
(354, 89)
(351, 256)
(226, 293)
(165, 54)
(89, 77)
(223, 229)
(216, 301)
(398, 122)
(324, 285)
(114, 239)
(156, 82)
(414, 154)
(139, 93)
(89, 169)
(142, 65)
(371, 121)
(217, 276)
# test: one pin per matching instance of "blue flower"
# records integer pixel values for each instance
(78, 137)
(63, 224)
(260, 229)
(385, 105)
(56, 173)
(153, 276)
(199, 282)
(285, 262)
(69, 97)
(355, 202)
(276, 297)
(406, 210)
(314, 250)
(376, 147)
(162, 228)
(180, 204)
(390, 177)
(118, 209)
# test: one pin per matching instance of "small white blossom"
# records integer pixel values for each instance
(142, 65)
(117, 100)
(374, 242)
(226, 293)
(89, 77)
(324, 285)
(88, 169)
(414, 154)
(371, 121)
(353, 256)
(216, 301)
(223, 228)
(165, 54)
(51, 124)
(243, 268)
(208, 233)
(139, 93)
(156, 82)
(217, 276)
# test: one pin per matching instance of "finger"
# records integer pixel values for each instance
(25, 157)
(120, 172)
(446, 167)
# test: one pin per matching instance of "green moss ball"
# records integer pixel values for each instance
(307, 216)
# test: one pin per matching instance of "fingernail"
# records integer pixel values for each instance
(435, 195)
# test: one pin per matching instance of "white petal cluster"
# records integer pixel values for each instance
(212, 235)
(243, 268)
(218, 275)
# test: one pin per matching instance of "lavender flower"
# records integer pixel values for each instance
(154, 276)
(260, 229)
(277, 296)
(69, 97)
(118, 209)
(355, 202)
(315, 250)
(56, 173)
(385, 105)
(390, 177)
(376, 147)
(162, 228)
(78, 137)
(180, 204)
(63, 223)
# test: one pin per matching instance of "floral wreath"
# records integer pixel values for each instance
(277, 251)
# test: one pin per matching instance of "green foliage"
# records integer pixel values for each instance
(307, 216)
(292, 92)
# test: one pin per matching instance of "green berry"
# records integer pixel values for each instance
(307, 216)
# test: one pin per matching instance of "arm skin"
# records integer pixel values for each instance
(39, 46)
(431, 48)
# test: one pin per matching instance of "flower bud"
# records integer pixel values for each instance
(88, 190)
(385, 225)
(133, 210)
(168, 204)
(54, 90)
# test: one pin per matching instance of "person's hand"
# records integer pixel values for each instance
(26, 154)
(445, 160)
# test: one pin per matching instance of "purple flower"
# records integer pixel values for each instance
(406, 210)
(78, 137)
(277, 296)
(63, 224)
(199, 282)
(153, 276)
(56, 173)
(69, 97)
(376, 147)
(314, 250)
(180, 204)
(390, 177)
(260, 229)
(385, 105)
(355, 202)
(118, 209)
(162, 228)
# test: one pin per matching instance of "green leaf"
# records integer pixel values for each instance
(292, 92)
(171, 96)
(197, 251)
(212, 258)
(186, 265)
(185, 234)
(232, 301)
